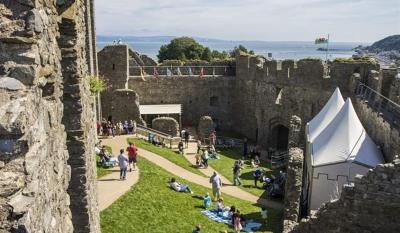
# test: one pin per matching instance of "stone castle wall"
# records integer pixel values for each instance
(46, 165)
(263, 93)
(209, 96)
(371, 205)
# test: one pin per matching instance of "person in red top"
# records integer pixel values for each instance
(132, 154)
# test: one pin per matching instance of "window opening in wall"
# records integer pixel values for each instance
(214, 101)
(288, 72)
(113, 67)
(267, 71)
(190, 101)
(279, 93)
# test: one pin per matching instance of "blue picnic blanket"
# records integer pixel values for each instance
(218, 217)
(223, 217)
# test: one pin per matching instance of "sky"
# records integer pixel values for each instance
(265, 20)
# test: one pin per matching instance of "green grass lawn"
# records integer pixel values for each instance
(151, 206)
(167, 153)
(224, 167)
(100, 170)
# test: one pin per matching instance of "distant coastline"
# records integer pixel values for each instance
(279, 49)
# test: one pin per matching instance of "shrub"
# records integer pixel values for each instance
(97, 85)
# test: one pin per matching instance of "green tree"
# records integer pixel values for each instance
(207, 54)
(220, 55)
(181, 48)
(240, 49)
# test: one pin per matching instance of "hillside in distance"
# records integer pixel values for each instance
(389, 43)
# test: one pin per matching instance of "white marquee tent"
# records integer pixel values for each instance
(338, 149)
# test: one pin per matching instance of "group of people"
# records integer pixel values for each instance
(124, 161)
(203, 154)
(108, 128)
(127, 161)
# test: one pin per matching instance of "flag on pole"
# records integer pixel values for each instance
(169, 72)
(321, 40)
(190, 71)
(155, 73)
(142, 74)
(178, 71)
(201, 72)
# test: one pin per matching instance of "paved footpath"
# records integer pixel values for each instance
(120, 143)
(110, 187)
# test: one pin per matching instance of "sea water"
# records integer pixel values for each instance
(279, 49)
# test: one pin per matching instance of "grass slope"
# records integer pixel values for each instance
(224, 167)
(167, 153)
(151, 206)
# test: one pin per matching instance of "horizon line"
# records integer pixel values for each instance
(227, 40)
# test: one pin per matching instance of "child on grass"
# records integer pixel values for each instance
(207, 201)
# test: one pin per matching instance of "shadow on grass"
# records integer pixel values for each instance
(197, 197)
(108, 179)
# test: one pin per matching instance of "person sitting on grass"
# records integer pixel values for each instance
(212, 152)
(181, 148)
(232, 210)
(207, 201)
(205, 158)
(179, 187)
(257, 176)
(220, 206)
(197, 229)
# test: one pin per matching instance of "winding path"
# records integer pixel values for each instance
(110, 188)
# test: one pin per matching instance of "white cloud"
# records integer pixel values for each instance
(346, 20)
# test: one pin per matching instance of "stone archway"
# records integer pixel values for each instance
(279, 137)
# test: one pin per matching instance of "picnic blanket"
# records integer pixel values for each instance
(223, 217)
(218, 217)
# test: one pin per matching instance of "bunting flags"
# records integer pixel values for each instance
(142, 74)
(178, 71)
(201, 72)
(190, 72)
(155, 73)
(169, 72)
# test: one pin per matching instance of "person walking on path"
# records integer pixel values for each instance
(187, 135)
(216, 182)
(123, 164)
(132, 154)
(236, 173)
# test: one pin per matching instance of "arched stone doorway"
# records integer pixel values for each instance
(279, 137)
